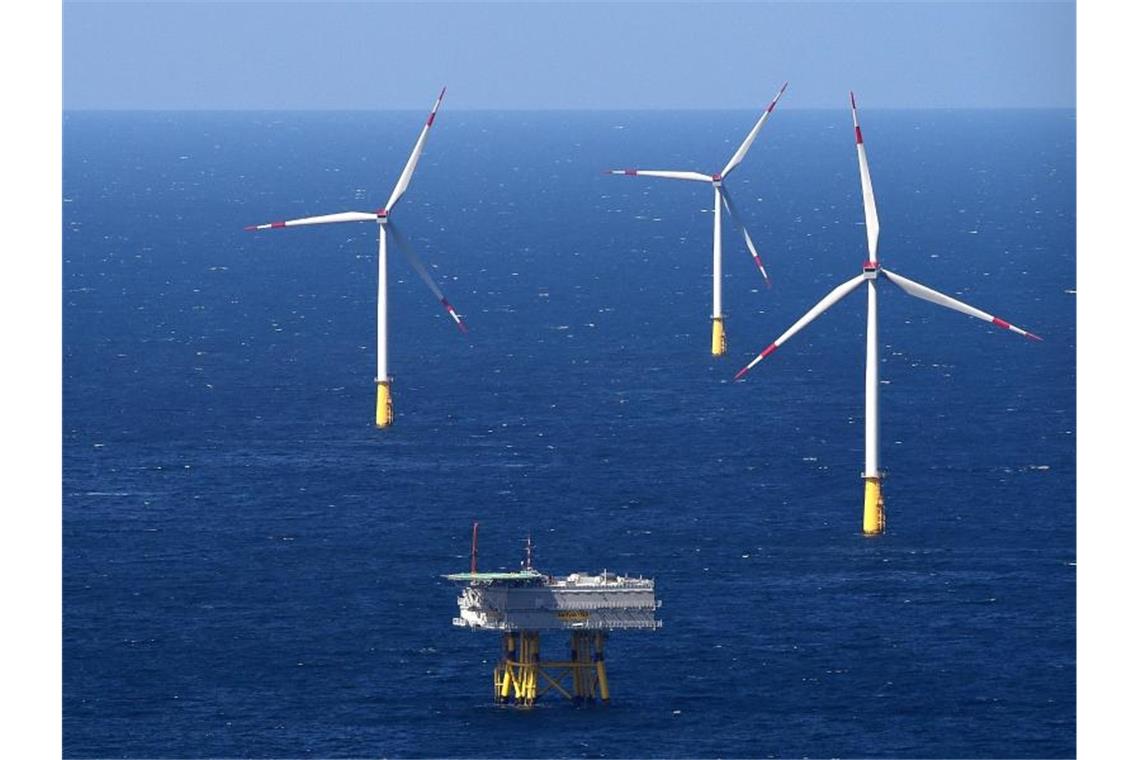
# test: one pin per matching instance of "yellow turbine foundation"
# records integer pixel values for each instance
(384, 414)
(719, 342)
(874, 519)
(521, 677)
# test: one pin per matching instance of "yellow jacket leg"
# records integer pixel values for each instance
(575, 660)
(505, 684)
(603, 682)
(600, 666)
(532, 683)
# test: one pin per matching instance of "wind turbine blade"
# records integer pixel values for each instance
(344, 216)
(695, 176)
(828, 301)
(739, 223)
(405, 248)
(406, 175)
(870, 213)
(927, 294)
(738, 156)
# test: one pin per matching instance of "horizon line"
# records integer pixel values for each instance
(147, 109)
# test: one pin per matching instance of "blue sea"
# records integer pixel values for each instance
(251, 569)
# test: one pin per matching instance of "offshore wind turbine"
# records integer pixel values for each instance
(382, 216)
(720, 194)
(873, 515)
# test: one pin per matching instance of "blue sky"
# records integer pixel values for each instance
(369, 55)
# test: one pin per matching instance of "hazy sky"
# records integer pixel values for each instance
(369, 55)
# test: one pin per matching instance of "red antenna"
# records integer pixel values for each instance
(474, 547)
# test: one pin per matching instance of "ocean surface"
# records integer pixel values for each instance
(251, 569)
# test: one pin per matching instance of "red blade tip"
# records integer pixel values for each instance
(1031, 336)
(740, 374)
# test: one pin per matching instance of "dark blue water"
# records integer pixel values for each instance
(251, 569)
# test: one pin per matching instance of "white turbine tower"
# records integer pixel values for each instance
(873, 517)
(384, 415)
(720, 194)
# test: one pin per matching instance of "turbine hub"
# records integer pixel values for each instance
(717, 179)
(870, 270)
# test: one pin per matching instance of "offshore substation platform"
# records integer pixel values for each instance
(522, 604)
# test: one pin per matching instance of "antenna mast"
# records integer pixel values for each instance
(474, 547)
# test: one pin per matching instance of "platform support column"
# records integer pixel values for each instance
(582, 666)
(532, 666)
(575, 666)
(600, 665)
(504, 670)
(517, 673)
(521, 676)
